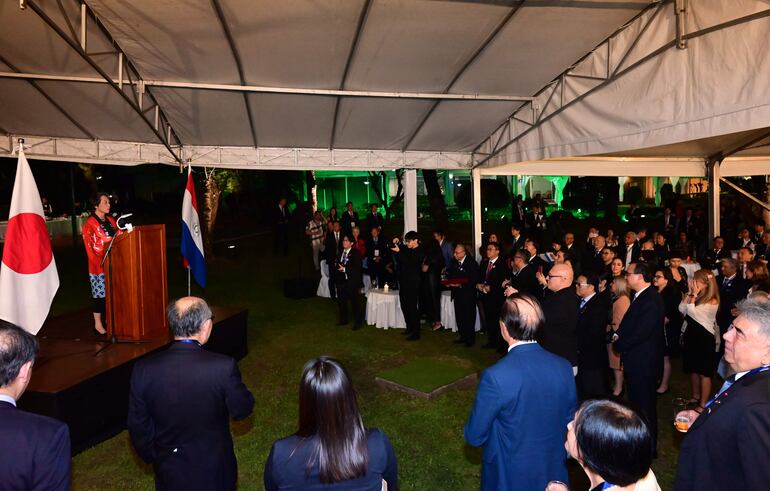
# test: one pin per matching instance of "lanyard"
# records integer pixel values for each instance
(188, 341)
(718, 397)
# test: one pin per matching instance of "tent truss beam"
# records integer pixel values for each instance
(618, 72)
(261, 158)
(471, 59)
(238, 64)
(50, 99)
(272, 90)
(351, 54)
(79, 48)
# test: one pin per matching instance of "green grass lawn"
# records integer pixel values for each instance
(428, 374)
(283, 335)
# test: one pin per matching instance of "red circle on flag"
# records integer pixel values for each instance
(27, 246)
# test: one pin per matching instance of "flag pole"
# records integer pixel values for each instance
(188, 281)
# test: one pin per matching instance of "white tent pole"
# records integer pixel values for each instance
(713, 169)
(476, 216)
(410, 200)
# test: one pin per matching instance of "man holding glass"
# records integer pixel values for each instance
(728, 441)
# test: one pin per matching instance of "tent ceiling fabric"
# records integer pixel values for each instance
(433, 46)
(718, 85)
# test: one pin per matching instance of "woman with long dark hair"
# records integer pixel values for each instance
(332, 448)
(672, 322)
(98, 231)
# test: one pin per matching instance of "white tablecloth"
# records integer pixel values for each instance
(56, 226)
(383, 310)
(448, 313)
(323, 285)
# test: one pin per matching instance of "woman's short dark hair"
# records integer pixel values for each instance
(17, 347)
(666, 272)
(96, 198)
(328, 410)
(522, 316)
(613, 441)
(412, 235)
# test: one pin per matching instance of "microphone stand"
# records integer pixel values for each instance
(113, 338)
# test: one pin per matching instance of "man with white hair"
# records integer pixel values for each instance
(728, 442)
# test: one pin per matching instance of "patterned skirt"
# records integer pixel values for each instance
(97, 285)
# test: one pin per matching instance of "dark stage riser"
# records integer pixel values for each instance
(90, 393)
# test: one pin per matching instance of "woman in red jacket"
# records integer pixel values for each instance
(98, 230)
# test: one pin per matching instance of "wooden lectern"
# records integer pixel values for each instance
(139, 287)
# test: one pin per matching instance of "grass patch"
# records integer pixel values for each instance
(426, 374)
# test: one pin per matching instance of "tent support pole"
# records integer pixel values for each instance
(476, 217)
(713, 172)
(410, 200)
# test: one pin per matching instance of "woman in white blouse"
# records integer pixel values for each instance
(700, 334)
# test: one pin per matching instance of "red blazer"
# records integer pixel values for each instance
(96, 240)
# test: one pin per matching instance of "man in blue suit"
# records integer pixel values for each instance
(522, 404)
(34, 450)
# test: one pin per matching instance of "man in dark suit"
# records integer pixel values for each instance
(519, 214)
(374, 219)
(332, 248)
(572, 251)
(763, 249)
(712, 258)
(629, 252)
(180, 404)
(464, 270)
(639, 340)
(522, 404)
(492, 274)
(517, 239)
(592, 256)
(34, 450)
(349, 283)
(349, 219)
(523, 277)
(727, 444)
(376, 253)
(410, 259)
(667, 224)
(593, 364)
(732, 289)
(537, 223)
(560, 307)
(280, 219)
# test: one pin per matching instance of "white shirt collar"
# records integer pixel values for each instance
(7, 398)
(493, 261)
(640, 291)
(519, 343)
(589, 297)
(461, 261)
(740, 374)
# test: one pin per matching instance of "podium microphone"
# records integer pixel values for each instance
(128, 226)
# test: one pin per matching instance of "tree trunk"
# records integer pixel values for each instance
(376, 179)
(436, 199)
(210, 209)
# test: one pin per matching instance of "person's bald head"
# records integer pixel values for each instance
(560, 277)
(521, 318)
(190, 318)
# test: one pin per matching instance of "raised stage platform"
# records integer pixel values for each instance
(90, 393)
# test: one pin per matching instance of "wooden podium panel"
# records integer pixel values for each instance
(139, 287)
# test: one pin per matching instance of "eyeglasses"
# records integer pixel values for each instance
(581, 284)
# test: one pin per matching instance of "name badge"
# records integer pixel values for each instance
(352, 224)
(376, 253)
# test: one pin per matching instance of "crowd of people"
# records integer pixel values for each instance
(525, 416)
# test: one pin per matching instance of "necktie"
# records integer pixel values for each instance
(583, 304)
(489, 269)
(725, 282)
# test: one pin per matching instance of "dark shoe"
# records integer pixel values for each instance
(664, 392)
(357, 327)
(99, 334)
(413, 337)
